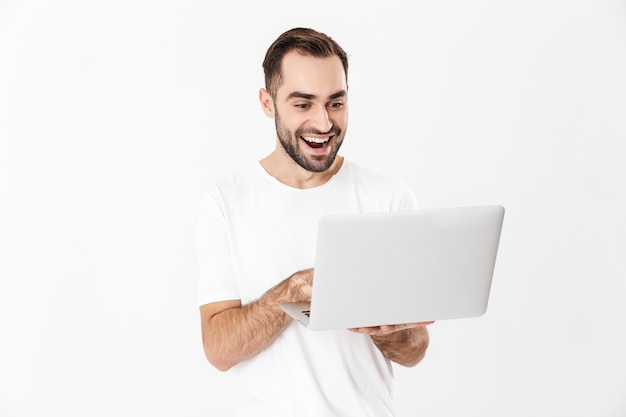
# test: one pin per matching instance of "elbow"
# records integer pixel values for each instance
(215, 354)
(221, 366)
(219, 362)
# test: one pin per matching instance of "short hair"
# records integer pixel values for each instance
(305, 41)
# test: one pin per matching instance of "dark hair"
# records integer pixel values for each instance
(307, 42)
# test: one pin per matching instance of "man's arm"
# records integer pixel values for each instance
(232, 333)
(404, 344)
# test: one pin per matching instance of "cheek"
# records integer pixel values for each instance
(292, 120)
(341, 117)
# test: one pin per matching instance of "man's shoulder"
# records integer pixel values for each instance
(361, 173)
(391, 192)
(231, 185)
(243, 177)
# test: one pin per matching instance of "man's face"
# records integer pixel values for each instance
(311, 110)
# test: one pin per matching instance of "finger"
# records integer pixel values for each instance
(421, 323)
(391, 327)
(367, 330)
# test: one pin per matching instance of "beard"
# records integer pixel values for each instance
(291, 144)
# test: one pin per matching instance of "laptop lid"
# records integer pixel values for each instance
(402, 267)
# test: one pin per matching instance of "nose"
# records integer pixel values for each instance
(321, 120)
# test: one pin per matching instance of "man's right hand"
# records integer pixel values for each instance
(296, 288)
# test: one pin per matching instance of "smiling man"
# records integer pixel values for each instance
(310, 110)
(257, 231)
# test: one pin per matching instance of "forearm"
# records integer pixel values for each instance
(232, 335)
(405, 347)
(237, 334)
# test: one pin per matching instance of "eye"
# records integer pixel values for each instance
(336, 105)
(302, 106)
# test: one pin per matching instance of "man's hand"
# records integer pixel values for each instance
(404, 344)
(297, 287)
(388, 328)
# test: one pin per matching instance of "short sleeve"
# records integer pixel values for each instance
(216, 274)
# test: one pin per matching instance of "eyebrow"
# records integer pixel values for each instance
(306, 96)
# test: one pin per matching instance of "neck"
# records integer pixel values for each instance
(287, 171)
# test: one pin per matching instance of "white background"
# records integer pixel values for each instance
(113, 114)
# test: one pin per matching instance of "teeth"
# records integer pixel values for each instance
(316, 140)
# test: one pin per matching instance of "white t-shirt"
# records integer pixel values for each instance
(255, 231)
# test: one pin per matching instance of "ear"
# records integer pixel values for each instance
(267, 104)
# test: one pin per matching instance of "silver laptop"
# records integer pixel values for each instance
(401, 267)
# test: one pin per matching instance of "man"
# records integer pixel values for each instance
(257, 232)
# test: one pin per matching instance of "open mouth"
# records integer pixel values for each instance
(315, 142)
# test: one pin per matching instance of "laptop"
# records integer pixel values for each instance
(400, 267)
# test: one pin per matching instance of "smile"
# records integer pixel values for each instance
(317, 142)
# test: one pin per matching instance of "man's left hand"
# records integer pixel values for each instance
(388, 328)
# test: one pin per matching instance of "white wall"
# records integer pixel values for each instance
(114, 113)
